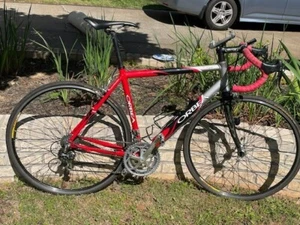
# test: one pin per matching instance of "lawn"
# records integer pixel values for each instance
(152, 202)
(134, 4)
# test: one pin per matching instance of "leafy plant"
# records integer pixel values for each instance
(62, 66)
(188, 52)
(291, 99)
(97, 53)
(13, 41)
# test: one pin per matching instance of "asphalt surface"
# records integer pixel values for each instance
(156, 33)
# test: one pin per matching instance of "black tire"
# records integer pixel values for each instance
(220, 14)
(42, 119)
(269, 135)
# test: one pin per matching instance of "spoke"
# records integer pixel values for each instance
(216, 19)
(216, 10)
(223, 5)
(223, 20)
(43, 125)
(228, 12)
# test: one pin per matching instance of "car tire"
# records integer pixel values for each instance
(220, 14)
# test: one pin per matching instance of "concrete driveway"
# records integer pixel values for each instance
(156, 33)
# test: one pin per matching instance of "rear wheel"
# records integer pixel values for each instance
(37, 139)
(268, 135)
(220, 14)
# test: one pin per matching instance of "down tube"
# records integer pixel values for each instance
(177, 122)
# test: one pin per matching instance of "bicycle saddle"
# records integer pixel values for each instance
(105, 24)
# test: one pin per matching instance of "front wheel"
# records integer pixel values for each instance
(37, 139)
(268, 135)
(220, 14)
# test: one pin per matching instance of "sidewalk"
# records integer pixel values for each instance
(156, 33)
(52, 22)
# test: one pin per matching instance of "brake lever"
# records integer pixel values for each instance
(266, 55)
(261, 52)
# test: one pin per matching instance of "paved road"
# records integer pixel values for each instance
(156, 33)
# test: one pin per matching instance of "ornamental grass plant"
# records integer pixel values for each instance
(14, 31)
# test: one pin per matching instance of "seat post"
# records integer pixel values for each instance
(117, 48)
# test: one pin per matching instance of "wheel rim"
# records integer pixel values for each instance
(44, 161)
(221, 13)
(225, 173)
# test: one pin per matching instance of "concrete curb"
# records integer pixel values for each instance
(172, 165)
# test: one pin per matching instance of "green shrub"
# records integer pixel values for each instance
(61, 65)
(97, 54)
(189, 52)
(291, 98)
(13, 39)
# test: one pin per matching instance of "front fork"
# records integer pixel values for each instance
(227, 99)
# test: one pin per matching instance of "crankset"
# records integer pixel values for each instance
(136, 164)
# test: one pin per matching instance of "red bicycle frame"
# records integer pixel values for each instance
(174, 123)
(123, 79)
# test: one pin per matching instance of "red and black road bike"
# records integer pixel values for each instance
(72, 138)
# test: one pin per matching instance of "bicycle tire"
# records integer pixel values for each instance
(265, 130)
(41, 120)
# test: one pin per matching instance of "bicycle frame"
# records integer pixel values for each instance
(174, 123)
(169, 129)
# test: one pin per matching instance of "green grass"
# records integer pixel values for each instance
(152, 202)
(134, 4)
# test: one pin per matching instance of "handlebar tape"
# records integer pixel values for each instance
(250, 57)
(257, 63)
(251, 87)
(244, 67)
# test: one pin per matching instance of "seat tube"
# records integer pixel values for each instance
(130, 105)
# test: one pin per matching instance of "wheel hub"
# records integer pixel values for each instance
(65, 154)
(220, 15)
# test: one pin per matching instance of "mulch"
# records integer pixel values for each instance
(37, 73)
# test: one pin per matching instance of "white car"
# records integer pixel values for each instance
(221, 14)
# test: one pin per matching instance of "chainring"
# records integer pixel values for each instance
(134, 162)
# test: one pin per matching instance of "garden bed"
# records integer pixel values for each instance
(38, 72)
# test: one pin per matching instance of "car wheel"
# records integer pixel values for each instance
(221, 14)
